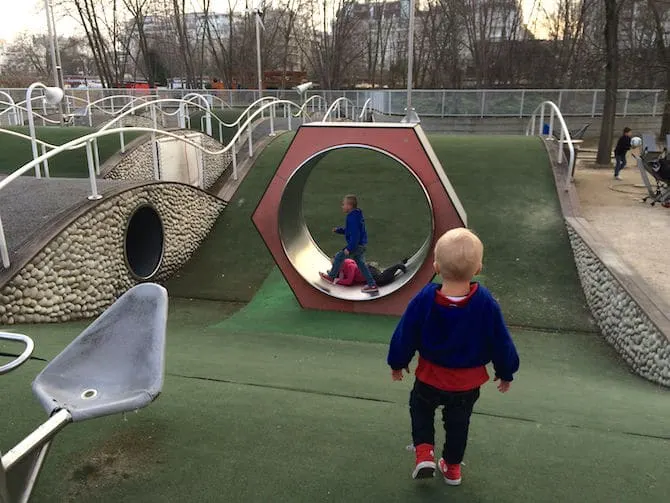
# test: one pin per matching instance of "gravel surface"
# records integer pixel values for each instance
(638, 232)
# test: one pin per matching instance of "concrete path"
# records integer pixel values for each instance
(29, 204)
(638, 232)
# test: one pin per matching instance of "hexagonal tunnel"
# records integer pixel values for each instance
(280, 215)
(144, 242)
(305, 254)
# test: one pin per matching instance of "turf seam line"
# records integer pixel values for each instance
(553, 330)
(380, 400)
(283, 388)
(14, 355)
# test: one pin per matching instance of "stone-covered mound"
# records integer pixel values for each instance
(83, 261)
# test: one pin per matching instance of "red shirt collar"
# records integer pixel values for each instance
(442, 299)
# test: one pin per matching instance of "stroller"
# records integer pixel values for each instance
(656, 169)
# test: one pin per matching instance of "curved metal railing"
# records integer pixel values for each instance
(29, 347)
(563, 136)
(337, 104)
(90, 140)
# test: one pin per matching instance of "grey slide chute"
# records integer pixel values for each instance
(116, 364)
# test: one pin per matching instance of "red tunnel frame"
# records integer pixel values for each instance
(408, 143)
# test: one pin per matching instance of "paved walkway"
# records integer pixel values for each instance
(638, 232)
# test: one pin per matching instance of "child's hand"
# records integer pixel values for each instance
(334, 230)
(346, 252)
(396, 375)
(503, 386)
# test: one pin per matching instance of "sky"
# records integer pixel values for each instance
(28, 15)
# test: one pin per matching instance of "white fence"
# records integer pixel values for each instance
(428, 103)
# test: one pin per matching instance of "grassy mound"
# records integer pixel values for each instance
(15, 152)
(504, 183)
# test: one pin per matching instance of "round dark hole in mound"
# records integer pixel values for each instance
(144, 242)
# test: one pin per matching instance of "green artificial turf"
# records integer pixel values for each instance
(504, 183)
(224, 134)
(15, 152)
(268, 417)
(268, 402)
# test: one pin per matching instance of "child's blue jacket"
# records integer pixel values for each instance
(467, 335)
(354, 230)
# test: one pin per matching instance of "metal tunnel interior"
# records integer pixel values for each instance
(144, 242)
(304, 253)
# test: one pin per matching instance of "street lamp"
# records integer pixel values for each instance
(53, 46)
(411, 116)
(52, 95)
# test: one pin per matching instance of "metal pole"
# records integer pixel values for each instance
(91, 173)
(272, 120)
(523, 98)
(595, 101)
(52, 46)
(234, 162)
(55, 50)
(443, 99)
(31, 127)
(625, 106)
(653, 112)
(4, 252)
(251, 150)
(96, 156)
(258, 55)
(410, 114)
(46, 161)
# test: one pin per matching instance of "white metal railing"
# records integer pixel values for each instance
(244, 125)
(431, 102)
(547, 129)
(337, 105)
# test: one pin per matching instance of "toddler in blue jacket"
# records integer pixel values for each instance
(357, 240)
(457, 328)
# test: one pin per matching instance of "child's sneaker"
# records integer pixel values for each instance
(452, 473)
(370, 289)
(425, 462)
(327, 278)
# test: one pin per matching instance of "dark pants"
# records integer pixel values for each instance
(387, 276)
(619, 163)
(358, 255)
(456, 412)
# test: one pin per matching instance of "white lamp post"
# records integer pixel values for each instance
(52, 95)
(410, 114)
(302, 89)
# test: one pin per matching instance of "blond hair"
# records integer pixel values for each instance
(458, 255)
(352, 200)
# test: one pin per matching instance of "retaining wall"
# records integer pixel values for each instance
(632, 322)
(80, 272)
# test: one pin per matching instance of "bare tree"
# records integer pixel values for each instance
(331, 42)
(659, 10)
(612, 11)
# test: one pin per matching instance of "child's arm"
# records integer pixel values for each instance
(505, 356)
(338, 230)
(405, 340)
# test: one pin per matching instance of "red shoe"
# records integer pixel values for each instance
(452, 473)
(327, 278)
(425, 462)
(370, 289)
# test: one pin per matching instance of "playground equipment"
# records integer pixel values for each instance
(656, 169)
(280, 220)
(114, 366)
(565, 140)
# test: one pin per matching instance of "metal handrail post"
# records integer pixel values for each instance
(91, 173)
